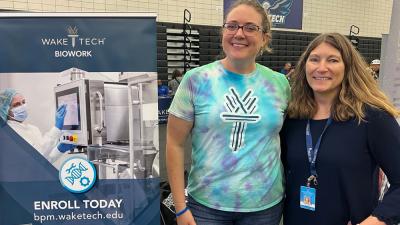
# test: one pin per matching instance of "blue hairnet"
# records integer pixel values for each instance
(6, 97)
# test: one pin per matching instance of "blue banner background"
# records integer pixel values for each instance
(26, 176)
(163, 106)
(130, 44)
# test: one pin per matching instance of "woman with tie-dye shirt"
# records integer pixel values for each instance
(233, 109)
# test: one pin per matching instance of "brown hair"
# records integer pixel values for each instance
(357, 90)
(265, 20)
(176, 73)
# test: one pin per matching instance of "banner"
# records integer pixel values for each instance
(79, 119)
(163, 106)
(286, 14)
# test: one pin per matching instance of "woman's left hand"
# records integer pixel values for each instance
(371, 220)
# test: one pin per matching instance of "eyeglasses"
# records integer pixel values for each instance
(248, 29)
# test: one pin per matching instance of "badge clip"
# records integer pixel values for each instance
(310, 179)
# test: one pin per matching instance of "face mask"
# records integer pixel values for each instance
(20, 113)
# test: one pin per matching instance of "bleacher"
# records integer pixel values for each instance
(287, 46)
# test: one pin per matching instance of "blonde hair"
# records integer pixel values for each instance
(358, 88)
(265, 20)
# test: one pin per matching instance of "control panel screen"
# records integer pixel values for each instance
(70, 97)
(71, 100)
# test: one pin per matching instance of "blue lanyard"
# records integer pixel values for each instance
(312, 152)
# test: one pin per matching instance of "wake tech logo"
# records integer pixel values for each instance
(240, 112)
(74, 40)
(278, 10)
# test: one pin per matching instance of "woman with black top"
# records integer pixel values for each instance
(339, 129)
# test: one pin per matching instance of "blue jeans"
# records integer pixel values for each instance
(204, 215)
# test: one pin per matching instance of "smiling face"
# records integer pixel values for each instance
(325, 70)
(238, 46)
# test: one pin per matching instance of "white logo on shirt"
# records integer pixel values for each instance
(240, 111)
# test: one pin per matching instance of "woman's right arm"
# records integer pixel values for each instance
(177, 133)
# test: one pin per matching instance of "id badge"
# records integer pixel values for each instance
(307, 198)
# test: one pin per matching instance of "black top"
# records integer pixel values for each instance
(347, 165)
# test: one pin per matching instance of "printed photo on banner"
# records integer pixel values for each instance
(95, 118)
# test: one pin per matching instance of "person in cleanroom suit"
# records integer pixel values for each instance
(13, 111)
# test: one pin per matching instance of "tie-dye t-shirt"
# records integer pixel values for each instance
(236, 162)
